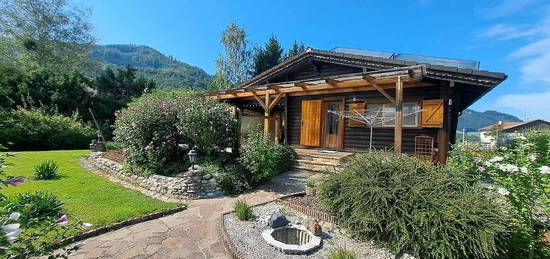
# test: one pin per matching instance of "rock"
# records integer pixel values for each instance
(312, 225)
(276, 220)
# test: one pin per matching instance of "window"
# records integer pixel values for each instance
(386, 113)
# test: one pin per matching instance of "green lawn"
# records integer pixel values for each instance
(87, 196)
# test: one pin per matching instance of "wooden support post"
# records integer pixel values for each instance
(277, 131)
(398, 115)
(266, 114)
(285, 120)
(443, 133)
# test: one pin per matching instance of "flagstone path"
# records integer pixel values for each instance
(192, 233)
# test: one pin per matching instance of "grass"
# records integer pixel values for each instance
(86, 196)
(243, 211)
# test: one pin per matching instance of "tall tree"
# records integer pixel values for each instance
(235, 64)
(296, 49)
(45, 33)
(268, 56)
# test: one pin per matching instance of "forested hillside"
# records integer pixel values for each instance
(473, 120)
(168, 72)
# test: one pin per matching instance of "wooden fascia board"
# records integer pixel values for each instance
(299, 87)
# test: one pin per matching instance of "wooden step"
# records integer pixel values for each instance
(319, 160)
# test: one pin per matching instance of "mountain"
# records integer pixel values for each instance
(168, 72)
(473, 120)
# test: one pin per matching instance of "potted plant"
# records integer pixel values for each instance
(310, 187)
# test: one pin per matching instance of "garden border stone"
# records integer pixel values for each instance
(193, 184)
(121, 224)
(321, 215)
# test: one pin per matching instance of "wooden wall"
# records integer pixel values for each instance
(358, 137)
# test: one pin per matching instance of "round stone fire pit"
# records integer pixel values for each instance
(292, 239)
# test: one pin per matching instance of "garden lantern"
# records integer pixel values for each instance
(192, 157)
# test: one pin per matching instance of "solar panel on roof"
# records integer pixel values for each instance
(460, 63)
(364, 52)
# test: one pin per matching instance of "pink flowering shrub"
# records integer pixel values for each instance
(152, 129)
(147, 131)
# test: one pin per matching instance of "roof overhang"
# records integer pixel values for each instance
(410, 76)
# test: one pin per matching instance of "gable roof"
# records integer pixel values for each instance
(469, 76)
(511, 126)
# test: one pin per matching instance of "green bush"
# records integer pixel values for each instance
(413, 206)
(35, 207)
(36, 130)
(151, 129)
(243, 211)
(234, 179)
(341, 254)
(264, 158)
(207, 124)
(46, 170)
(113, 145)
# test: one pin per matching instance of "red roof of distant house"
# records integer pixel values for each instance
(503, 125)
(510, 125)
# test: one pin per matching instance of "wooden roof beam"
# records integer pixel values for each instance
(331, 82)
(275, 101)
(259, 101)
(378, 88)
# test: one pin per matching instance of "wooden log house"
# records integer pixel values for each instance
(292, 100)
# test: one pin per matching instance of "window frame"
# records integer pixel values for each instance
(418, 116)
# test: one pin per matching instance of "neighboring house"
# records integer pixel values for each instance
(507, 130)
(302, 100)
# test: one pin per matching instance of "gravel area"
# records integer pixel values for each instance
(247, 238)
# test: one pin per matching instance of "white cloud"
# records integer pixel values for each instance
(534, 56)
(506, 32)
(534, 105)
(506, 8)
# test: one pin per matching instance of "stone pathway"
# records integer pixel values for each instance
(192, 233)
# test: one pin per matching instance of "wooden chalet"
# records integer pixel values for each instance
(293, 101)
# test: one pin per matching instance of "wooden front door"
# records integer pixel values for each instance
(310, 132)
(333, 124)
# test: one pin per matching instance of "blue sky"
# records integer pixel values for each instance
(510, 36)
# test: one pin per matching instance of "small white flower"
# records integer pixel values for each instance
(544, 169)
(508, 168)
(10, 227)
(523, 169)
(15, 215)
(86, 225)
(496, 159)
(532, 157)
(503, 191)
(12, 236)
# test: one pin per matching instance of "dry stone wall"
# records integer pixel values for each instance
(192, 184)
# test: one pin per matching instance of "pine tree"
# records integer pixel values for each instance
(295, 50)
(268, 56)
